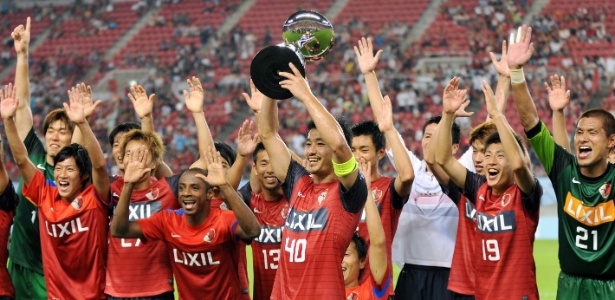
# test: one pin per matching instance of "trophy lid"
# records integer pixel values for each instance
(310, 32)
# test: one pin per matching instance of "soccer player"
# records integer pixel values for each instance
(507, 204)
(582, 184)
(369, 141)
(74, 213)
(326, 198)
(200, 240)
(355, 259)
(8, 203)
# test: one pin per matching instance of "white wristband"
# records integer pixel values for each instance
(517, 76)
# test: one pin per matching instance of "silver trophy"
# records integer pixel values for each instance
(308, 36)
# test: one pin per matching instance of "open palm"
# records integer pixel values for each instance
(256, 100)
(365, 55)
(385, 120)
(559, 97)
(194, 100)
(453, 97)
(246, 139)
(521, 49)
(135, 167)
(89, 106)
(143, 105)
(8, 102)
(74, 107)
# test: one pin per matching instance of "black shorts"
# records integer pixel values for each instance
(423, 282)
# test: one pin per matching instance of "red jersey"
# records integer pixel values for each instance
(239, 255)
(73, 238)
(271, 216)
(389, 205)
(369, 289)
(134, 268)
(506, 225)
(8, 202)
(201, 256)
(462, 277)
(317, 232)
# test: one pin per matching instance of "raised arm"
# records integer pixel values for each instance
(248, 225)
(429, 153)
(519, 53)
(367, 64)
(136, 168)
(377, 244)
(502, 90)
(23, 117)
(559, 98)
(514, 154)
(194, 103)
(405, 170)
(246, 143)
(452, 99)
(8, 107)
(329, 129)
(76, 114)
(89, 107)
(268, 133)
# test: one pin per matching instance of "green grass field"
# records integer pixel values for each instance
(545, 255)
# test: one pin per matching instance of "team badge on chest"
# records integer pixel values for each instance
(77, 203)
(322, 197)
(210, 236)
(605, 190)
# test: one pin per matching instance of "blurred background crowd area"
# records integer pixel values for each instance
(159, 44)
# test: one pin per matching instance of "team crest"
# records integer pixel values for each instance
(153, 194)
(605, 190)
(210, 236)
(322, 197)
(506, 199)
(223, 206)
(284, 213)
(376, 194)
(77, 203)
(353, 296)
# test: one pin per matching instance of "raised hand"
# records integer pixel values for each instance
(194, 102)
(256, 100)
(142, 104)
(501, 66)
(8, 102)
(21, 37)
(366, 169)
(385, 120)
(559, 97)
(365, 55)
(296, 84)
(88, 105)
(74, 109)
(246, 139)
(461, 111)
(135, 164)
(453, 97)
(520, 47)
(492, 107)
(216, 175)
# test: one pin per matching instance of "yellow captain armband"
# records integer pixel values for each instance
(343, 169)
(517, 76)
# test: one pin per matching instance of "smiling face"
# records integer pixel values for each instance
(57, 136)
(264, 171)
(498, 171)
(352, 266)
(591, 144)
(363, 147)
(116, 151)
(318, 155)
(192, 194)
(67, 178)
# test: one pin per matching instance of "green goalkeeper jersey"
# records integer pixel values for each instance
(25, 249)
(585, 207)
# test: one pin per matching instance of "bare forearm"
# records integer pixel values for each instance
(377, 248)
(560, 135)
(204, 138)
(119, 224)
(373, 93)
(147, 124)
(22, 80)
(503, 90)
(444, 141)
(90, 143)
(236, 171)
(275, 147)
(329, 129)
(525, 105)
(402, 162)
(20, 153)
(245, 218)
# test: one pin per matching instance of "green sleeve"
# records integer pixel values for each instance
(544, 146)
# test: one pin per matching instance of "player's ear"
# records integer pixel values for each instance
(362, 263)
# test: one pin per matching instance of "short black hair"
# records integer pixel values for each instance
(226, 151)
(259, 147)
(370, 128)
(198, 171)
(345, 124)
(494, 138)
(124, 127)
(81, 156)
(361, 246)
(455, 131)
